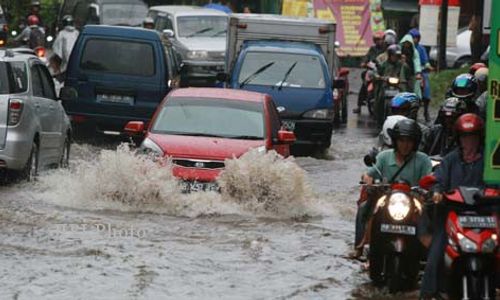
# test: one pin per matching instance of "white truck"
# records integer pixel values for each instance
(294, 61)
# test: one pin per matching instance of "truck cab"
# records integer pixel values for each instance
(294, 61)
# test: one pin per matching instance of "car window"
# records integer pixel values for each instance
(36, 82)
(47, 83)
(211, 26)
(13, 78)
(162, 23)
(119, 57)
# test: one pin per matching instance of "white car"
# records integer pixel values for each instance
(458, 56)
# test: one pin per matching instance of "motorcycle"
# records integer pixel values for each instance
(471, 257)
(395, 250)
(371, 71)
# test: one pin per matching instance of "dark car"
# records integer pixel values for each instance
(115, 75)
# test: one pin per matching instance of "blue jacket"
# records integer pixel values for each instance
(422, 53)
(454, 172)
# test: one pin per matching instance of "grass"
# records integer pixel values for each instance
(440, 82)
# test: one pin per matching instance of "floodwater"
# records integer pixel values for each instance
(115, 226)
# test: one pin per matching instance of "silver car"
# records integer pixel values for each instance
(35, 132)
(459, 56)
(198, 35)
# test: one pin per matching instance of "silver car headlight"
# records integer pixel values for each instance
(150, 147)
(197, 54)
(466, 245)
(319, 114)
(490, 244)
(399, 206)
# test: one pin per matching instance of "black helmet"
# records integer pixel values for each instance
(67, 20)
(394, 50)
(453, 107)
(464, 86)
(406, 128)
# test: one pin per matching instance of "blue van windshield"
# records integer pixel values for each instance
(119, 57)
(282, 69)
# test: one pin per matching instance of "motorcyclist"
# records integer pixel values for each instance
(412, 58)
(148, 23)
(402, 163)
(405, 104)
(481, 76)
(392, 67)
(475, 67)
(426, 67)
(385, 140)
(441, 138)
(62, 47)
(35, 7)
(461, 167)
(32, 35)
(374, 51)
(465, 88)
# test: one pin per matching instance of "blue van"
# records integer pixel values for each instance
(115, 75)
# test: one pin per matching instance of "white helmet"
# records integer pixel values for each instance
(389, 123)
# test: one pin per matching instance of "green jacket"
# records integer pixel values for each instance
(416, 57)
(400, 70)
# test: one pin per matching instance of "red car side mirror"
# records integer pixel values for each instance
(427, 182)
(134, 128)
(286, 137)
(343, 72)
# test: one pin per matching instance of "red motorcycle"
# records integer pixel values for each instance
(472, 260)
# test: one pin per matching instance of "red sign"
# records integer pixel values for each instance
(354, 32)
(438, 2)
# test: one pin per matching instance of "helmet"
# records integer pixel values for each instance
(394, 50)
(33, 20)
(390, 40)
(389, 123)
(35, 3)
(414, 33)
(475, 67)
(464, 86)
(481, 74)
(406, 128)
(390, 32)
(405, 104)
(469, 124)
(148, 21)
(453, 107)
(67, 21)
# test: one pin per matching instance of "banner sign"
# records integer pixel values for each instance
(492, 144)
(354, 18)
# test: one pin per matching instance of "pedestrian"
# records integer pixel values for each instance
(148, 23)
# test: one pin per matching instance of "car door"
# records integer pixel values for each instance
(41, 111)
(54, 134)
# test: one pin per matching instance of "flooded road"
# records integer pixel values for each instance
(117, 227)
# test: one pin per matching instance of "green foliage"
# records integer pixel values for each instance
(440, 82)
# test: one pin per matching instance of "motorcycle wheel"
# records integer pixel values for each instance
(395, 280)
(375, 269)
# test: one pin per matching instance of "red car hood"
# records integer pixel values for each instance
(207, 148)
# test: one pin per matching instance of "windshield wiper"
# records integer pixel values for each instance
(246, 137)
(199, 134)
(219, 32)
(200, 31)
(256, 73)
(286, 76)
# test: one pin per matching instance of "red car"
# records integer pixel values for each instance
(198, 128)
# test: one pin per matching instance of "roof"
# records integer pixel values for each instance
(220, 93)
(406, 6)
(120, 31)
(281, 18)
(187, 10)
(18, 56)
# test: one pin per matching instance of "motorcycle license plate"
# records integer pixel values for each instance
(478, 222)
(398, 229)
(194, 186)
(288, 125)
(391, 93)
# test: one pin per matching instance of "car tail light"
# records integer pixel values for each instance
(242, 26)
(15, 111)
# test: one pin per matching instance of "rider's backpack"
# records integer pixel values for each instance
(37, 38)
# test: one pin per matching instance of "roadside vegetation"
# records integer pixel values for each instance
(440, 82)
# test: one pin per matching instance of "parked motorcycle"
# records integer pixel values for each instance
(395, 249)
(471, 256)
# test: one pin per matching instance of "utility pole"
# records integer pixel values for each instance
(442, 34)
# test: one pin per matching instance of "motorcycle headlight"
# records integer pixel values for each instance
(197, 54)
(399, 206)
(393, 80)
(319, 114)
(466, 245)
(490, 244)
(151, 148)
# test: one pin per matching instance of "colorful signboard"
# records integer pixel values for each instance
(354, 18)
(492, 145)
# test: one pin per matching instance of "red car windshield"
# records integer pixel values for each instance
(211, 117)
